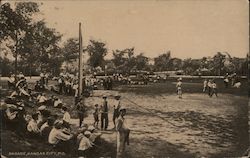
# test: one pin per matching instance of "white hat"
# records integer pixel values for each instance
(122, 108)
(87, 133)
(43, 107)
(117, 95)
(91, 128)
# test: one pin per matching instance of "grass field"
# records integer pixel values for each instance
(164, 126)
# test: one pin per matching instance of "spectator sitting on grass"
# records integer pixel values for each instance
(50, 100)
(94, 134)
(66, 117)
(43, 115)
(37, 86)
(46, 128)
(11, 112)
(32, 127)
(84, 144)
(41, 99)
(58, 138)
(11, 82)
(15, 93)
(57, 103)
(23, 93)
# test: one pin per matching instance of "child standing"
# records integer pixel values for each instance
(96, 115)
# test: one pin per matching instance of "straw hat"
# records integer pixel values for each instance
(43, 107)
(122, 109)
(117, 96)
(104, 96)
(87, 133)
(91, 128)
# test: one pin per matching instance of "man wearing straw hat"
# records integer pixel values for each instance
(122, 134)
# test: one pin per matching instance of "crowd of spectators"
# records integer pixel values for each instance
(40, 122)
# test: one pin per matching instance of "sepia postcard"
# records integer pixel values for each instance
(124, 79)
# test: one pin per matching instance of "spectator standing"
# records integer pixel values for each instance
(122, 134)
(104, 114)
(96, 116)
(81, 111)
(117, 106)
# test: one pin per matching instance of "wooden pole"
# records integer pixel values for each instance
(80, 86)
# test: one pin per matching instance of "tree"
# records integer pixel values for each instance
(191, 66)
(15, 21)
(70, 49)
(163, 62)
(39, 45)
(97, 52)
(141, 62)
(218, 62)
(124, 60)
(176, 64)
(5, 66)
(31, 41)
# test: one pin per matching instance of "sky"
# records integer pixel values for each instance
(190, 28)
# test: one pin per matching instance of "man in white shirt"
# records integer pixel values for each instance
(178, 86)
(32, 127)
(66, 117)
(57, 103)
(84, 143)
(42, 99)
(58, 138)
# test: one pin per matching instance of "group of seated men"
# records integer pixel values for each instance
(42, 124)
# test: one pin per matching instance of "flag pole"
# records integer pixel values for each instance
(80, 86)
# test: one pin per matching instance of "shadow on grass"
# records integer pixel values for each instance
(152, 147)
(218, 131)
